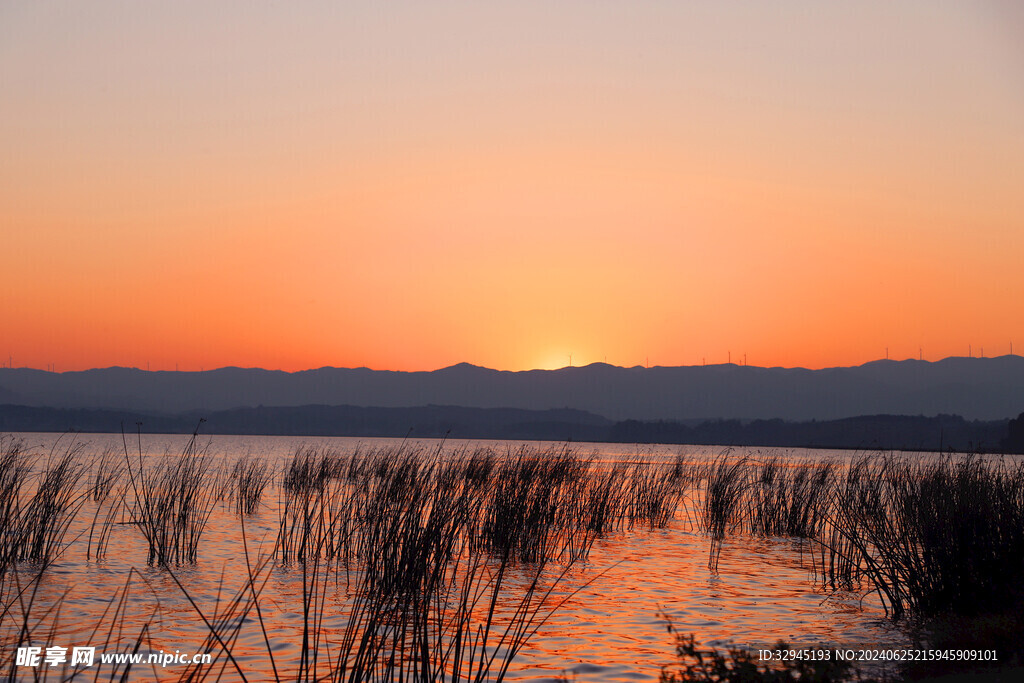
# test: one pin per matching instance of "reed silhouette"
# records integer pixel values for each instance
(442, 564)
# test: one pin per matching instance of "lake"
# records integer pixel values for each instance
(618, 595)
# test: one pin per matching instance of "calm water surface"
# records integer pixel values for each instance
(612, 629)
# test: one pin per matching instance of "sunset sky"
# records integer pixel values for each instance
(408, 185)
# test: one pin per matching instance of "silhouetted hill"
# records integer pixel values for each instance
(876, 432)
(866, 432)
(976, 388)
(317, 420)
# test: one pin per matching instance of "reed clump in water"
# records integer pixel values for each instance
(654, 494)
(932, 537)
(248, 480)
(789, 499)
(524, 504)
(15, 469)
(525, 514)
(940, 539)
(51, 509)
(428, 595)
(40, 499)
(724, 494)
(311, 468)
(172, 502)
(38, 507)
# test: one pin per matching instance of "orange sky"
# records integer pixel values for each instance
(413, 186)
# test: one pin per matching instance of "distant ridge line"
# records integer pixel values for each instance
(468, 365)
(976, 388)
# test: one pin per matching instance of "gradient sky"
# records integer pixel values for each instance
(408, 185)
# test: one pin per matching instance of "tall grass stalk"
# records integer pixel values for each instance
(38, 507)
(106, 473)
(789, 499)
(249, 478)
(172, 503)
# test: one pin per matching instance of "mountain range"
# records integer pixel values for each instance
(975, 388)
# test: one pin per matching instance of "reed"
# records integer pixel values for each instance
(931, 537)
(425, 599)
(104, 519)
(106, 474)
(788, 499)
(654, 494)
(248, 480)
(526, 505)
(51, 509)
(429, 566)
(311, 468)
(724, 493)
(15, 470)
(39, 507)
(530, 512)
(686, 471)
(172, 502)
(603, 507)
